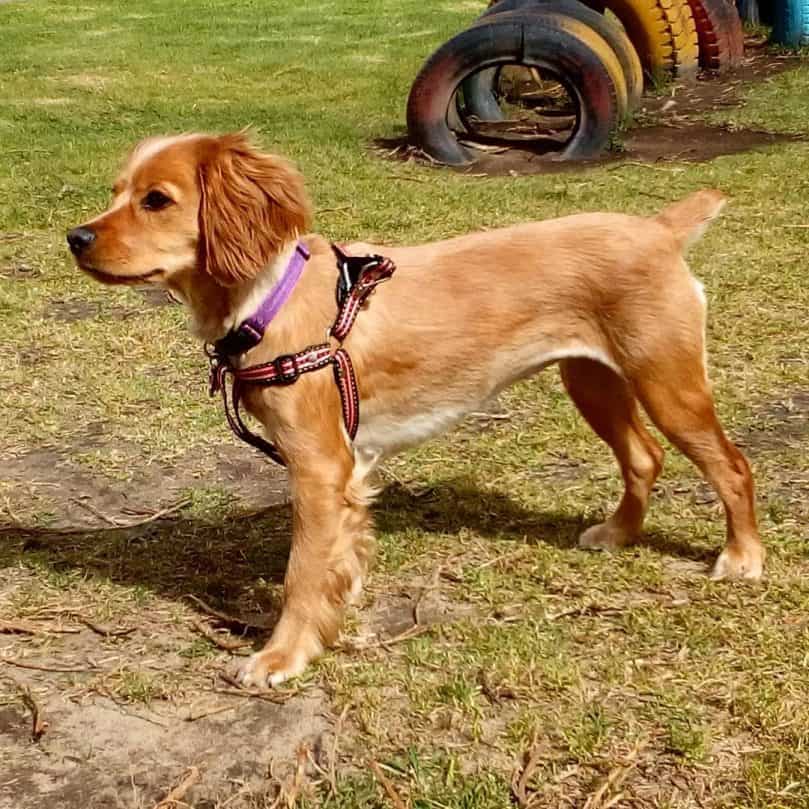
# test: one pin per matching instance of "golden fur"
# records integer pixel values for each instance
(607, 296)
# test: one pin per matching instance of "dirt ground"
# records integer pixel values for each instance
(117, 700)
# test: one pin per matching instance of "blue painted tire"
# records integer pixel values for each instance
(791, 24)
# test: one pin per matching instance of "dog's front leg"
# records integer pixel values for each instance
(331, 543)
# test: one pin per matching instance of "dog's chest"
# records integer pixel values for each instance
(381, 435)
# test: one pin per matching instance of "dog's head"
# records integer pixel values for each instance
(193, 204)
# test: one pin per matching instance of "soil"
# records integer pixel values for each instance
(669, 126)
(81, 763)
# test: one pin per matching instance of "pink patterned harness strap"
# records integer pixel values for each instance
(358, 277)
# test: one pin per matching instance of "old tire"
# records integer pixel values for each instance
(482, 83)
(479, 101)
(719, 33)
(511, 39)
(663, 33)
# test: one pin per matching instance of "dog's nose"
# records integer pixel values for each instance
(80, 239)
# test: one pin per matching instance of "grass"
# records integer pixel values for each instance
(628, 675)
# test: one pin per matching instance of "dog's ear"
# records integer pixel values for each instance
(251, 205)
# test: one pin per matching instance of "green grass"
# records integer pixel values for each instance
(683, 687)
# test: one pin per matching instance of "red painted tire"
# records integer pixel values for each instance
(720, 34)
(512, 39)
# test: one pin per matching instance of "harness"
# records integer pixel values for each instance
(357, 278)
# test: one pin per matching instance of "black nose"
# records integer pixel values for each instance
(80, 239)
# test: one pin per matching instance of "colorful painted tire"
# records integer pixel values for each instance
(720, 34)
(481, 84)
(512, 39)
(478, 96)
(663, 33)
(791, 23)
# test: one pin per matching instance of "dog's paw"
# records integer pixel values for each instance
(270, 667)
(745, 564)
(604, 537)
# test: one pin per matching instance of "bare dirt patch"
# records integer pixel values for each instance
(780, 424)
(97, 753)
(52, 480)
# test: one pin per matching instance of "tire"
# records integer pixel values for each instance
(480, 86)
(791, 24)
(720, 34)
(663, 33)
(478, 98)
(512, 39)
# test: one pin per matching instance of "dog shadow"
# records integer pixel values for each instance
(240, 559)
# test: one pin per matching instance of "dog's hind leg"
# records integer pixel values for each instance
(676, 395)
(609, 406)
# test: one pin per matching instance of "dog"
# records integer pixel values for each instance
(606, 296)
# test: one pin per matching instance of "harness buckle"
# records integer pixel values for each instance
(286, 375)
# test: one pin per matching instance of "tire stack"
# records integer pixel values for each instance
(573, 71)
(790, 22)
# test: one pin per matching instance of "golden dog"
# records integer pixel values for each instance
(606, 296)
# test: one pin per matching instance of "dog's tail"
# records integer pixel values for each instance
(689, 218)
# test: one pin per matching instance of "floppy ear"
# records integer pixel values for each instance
(252, 204)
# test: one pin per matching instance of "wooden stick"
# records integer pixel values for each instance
(164, 512)
(176, 794)
(217, 640)
(61, 669)
(388, 786)
(105, 631)
(519, 782)
(25, 628)
(615, 778)
(38, 724)
(223, 616)
(194, 717)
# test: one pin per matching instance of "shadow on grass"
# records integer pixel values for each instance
(233, 561)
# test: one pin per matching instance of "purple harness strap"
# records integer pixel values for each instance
(249, 333)
(361, 276)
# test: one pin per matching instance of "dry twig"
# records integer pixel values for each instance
(520, 779)
(38, 724)
(217, 640)
(35, 667)
(614, 779)
(231, 620)
(302, 756)
(26, 628)
(390, 790)
(238, 690)
(175, 795)
(412, 632)
(580, 612)
(195, 717)
(105, 631)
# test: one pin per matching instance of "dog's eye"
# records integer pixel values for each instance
(156, 201)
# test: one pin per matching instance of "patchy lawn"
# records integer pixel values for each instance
(491, 662)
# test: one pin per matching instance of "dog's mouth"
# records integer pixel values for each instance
(128, 280)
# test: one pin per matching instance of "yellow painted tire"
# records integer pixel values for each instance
(598, 45)
(663, 33)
